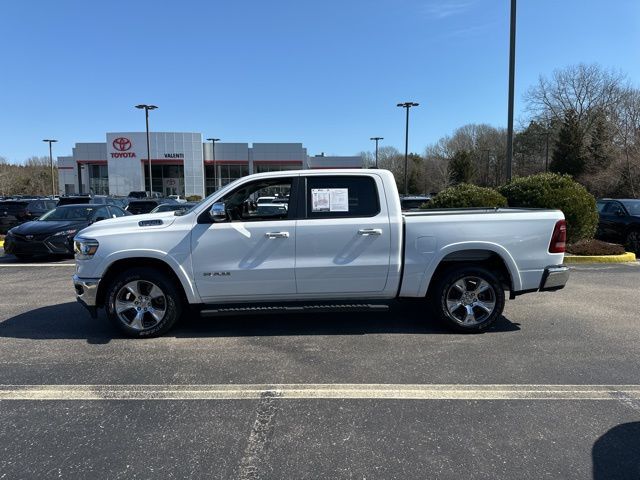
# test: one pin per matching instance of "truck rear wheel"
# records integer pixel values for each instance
(143, 303)
(468, 299)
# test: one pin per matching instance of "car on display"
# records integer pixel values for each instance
(53, 232)
(173, 207)
(342, 243)
(178, 198)
(413, 202)
(15, 212)
(137, 207)
(619, 222)
(95, 199)
(137, 195)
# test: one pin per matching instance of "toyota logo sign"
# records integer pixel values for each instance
(121, 144)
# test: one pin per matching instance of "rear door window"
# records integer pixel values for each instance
(341, 197)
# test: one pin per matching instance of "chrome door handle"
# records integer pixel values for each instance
(366, 232)
(277, 234)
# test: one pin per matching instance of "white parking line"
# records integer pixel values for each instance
(320, 391)
(37, 265)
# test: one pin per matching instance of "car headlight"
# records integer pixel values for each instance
(85, 248)
(66, 233)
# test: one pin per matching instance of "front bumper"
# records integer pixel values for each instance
(38, 245)
(555, 277)
(87, 292)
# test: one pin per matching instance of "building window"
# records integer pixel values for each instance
(225, 173)
(98, 179)
(167, 179)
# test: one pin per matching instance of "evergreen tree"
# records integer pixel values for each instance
(568, 154)
(461, 167)
(599, 149)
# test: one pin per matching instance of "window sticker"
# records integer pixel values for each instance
(320, 200)
(329, 199)
(338, 199)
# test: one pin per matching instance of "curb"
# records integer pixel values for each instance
(624, 258)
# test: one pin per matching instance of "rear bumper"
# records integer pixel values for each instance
(555, 277)
(86, 292)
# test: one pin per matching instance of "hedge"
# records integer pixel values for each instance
(550, 190)
(466, 195)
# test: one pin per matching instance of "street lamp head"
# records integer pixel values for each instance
(49, 140)
(376, 138)
(213, 139)
(408, 104)
(146, 107)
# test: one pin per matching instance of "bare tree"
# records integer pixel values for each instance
(582, 88)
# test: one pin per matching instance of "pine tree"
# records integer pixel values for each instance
(461, 168)
(599, 149)
(568, 154)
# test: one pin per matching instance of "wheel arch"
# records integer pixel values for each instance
(123, 264)
(493, 257)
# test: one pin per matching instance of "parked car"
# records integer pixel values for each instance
(137, 195)
(173, 207)
(138, 207)
(15, 212)
(53, 232)
(178, 198)
(74, 200)
(343, 244)
(413, 202)
(620, 222)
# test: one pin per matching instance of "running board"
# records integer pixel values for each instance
(316, 308)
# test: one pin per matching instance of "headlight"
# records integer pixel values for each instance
(66, 233)
(85, 248)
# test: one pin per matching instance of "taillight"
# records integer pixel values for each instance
(559, 238)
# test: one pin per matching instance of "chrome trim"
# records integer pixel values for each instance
(89, 288)
(555, 277)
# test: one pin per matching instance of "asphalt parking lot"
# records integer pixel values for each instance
(384, 395)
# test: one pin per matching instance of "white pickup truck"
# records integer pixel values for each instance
(336, 239)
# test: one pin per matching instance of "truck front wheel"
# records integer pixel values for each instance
(143, 303)
(469, 299)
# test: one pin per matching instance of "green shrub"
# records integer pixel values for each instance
(466, 195)
(550, 190)
(194, 198)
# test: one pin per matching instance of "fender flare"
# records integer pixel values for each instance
(502, 252)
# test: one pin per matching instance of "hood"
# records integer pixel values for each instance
(39, 228)
(130, 222)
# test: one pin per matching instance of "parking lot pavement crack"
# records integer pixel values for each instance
(254, 462)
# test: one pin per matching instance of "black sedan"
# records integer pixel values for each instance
(620, 222)
(52, 233)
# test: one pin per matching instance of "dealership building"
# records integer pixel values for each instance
(181, 164)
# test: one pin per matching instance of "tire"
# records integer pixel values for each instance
(633, 241)
(143, 303)
(468, 299)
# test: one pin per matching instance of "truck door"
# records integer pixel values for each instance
(252, 254)
(343, 239)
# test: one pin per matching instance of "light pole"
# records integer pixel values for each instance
(53, 182)
(146, 116)
(407, 106)
(377, 139)
(213, 152)
(512, 67)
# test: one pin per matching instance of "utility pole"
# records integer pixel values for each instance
(512, 67)
(407, 106)
(146, 115)
(53, 182)
(376, 140)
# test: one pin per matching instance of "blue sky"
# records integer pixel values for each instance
(326, 73)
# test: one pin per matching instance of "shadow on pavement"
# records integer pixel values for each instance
(71, 321)
(616, 454)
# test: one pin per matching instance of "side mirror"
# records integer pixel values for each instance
(218, 212)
